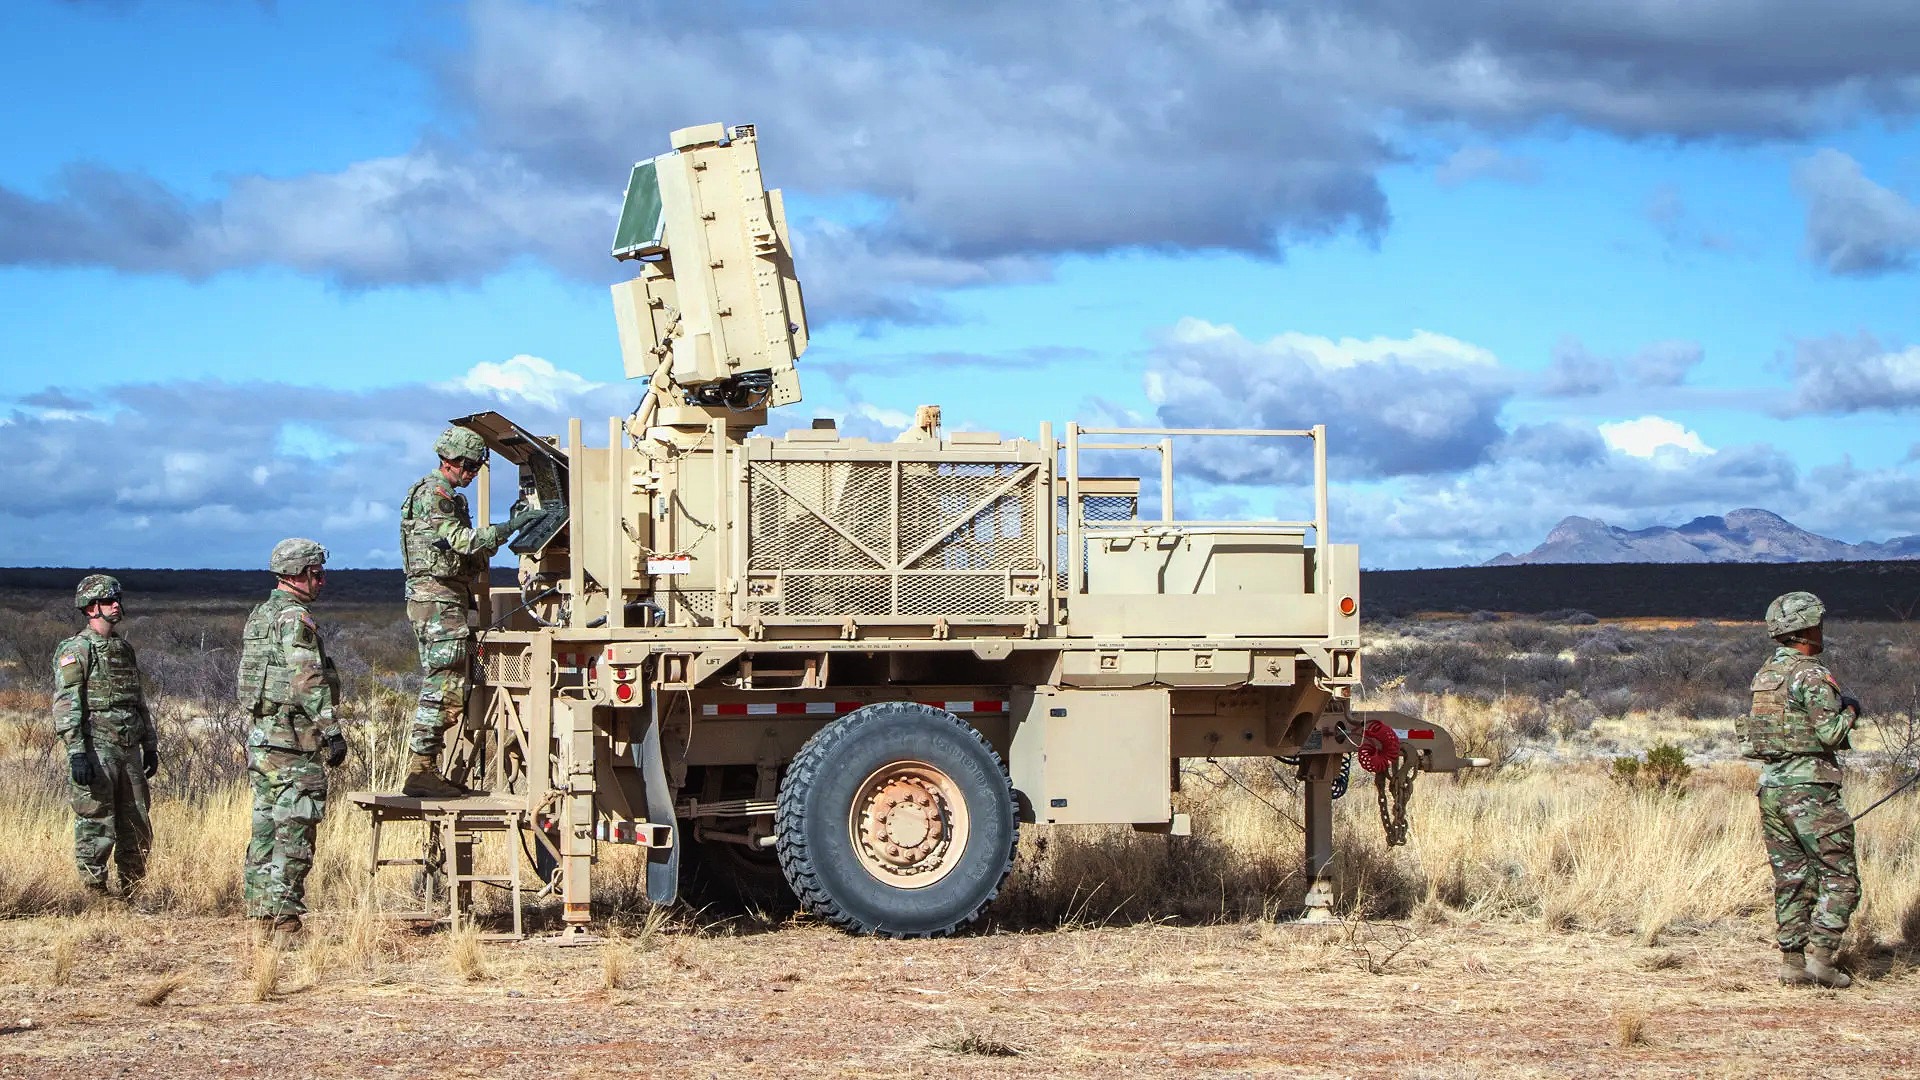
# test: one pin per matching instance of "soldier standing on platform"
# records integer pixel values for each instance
(443, 554)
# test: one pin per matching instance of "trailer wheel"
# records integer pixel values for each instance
(898, 820)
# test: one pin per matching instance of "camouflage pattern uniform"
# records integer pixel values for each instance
(443, 553)
(100, 715)
(1796, 726)
(291, 688)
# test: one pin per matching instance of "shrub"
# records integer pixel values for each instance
(1662, 768)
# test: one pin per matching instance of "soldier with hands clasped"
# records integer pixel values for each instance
(1799, 720)
(291, 688)
(444, 554)
(100, 715)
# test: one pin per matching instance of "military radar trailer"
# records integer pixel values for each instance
(858, 667)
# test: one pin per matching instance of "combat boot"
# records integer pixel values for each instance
(287, 931)
(1793, 968)
(425, 782)
(1820, 968)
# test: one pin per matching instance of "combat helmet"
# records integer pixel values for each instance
(95, 588)
(457, 442)
(1794, 612)
(295, 554)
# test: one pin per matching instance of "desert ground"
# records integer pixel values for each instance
(1596, 903)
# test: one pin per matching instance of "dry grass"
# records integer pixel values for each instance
(264, 974)
(1629, 1028)
(156, 995)
(466, 957)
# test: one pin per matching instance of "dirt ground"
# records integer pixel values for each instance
(1361, 999)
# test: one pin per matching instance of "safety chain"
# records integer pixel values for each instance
(1400, 779)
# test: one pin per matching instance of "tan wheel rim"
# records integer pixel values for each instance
(908, 824)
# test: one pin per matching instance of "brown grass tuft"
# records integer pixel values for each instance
(264, 979)
(1630, 1028)
(156, 995)
(465, 955)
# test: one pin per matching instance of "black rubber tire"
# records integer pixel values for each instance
(816, 799)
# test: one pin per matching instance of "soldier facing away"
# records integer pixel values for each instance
(1799, 720)
(291, 688)
(443, 554)
(100, 715)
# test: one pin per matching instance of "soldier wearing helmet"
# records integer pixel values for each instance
(100, 715)
(291, 689)
(444, 555)
(1799, 720)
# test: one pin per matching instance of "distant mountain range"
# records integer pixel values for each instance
(1749, 535)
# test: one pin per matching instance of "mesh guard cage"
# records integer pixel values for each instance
(914, 539)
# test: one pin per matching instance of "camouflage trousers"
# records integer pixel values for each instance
(110, 816)
(1815, 882)
(289, 799)
(446, 670)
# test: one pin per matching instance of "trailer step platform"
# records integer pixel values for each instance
(446, 859)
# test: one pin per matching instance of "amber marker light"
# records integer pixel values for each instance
(1348, 606)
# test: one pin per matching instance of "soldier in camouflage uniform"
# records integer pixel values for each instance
(101, 718)
(291, 688)
(444, 554)
(1799, 719)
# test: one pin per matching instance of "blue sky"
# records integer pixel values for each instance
(1525, 260)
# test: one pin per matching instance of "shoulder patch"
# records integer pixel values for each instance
(444, 505)
(68, 658)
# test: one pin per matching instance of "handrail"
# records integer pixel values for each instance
(1078, 528)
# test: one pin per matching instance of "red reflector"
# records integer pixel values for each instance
(1348, 606)
(1419, 733)
(624, 692)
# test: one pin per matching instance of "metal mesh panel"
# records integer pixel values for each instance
(955, 595)
(1093, 508)
(836, 595)
(826, 531)
(507, 667)
(692, 607)
(791, 503)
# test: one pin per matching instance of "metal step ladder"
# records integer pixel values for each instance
(453, 830)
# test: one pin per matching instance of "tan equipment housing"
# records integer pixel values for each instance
(855, 668)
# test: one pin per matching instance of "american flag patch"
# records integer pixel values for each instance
(65, 660)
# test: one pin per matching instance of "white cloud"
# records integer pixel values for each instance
(1421, 404)
(524, 378)
(1646, 436)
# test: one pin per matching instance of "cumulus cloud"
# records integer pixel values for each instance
(1855, 226)
(1576, 372)
(1663, 363)
(524, 378)
(212, 473)
(1424, 404)
(1839, 375)
(991, 139)
(1647, 436)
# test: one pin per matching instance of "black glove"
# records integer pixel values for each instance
(81, 766)
(522, 517)
(1848, 701)
(336, 751)
(150, 759)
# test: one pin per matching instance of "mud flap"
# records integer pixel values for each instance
(663, 863)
